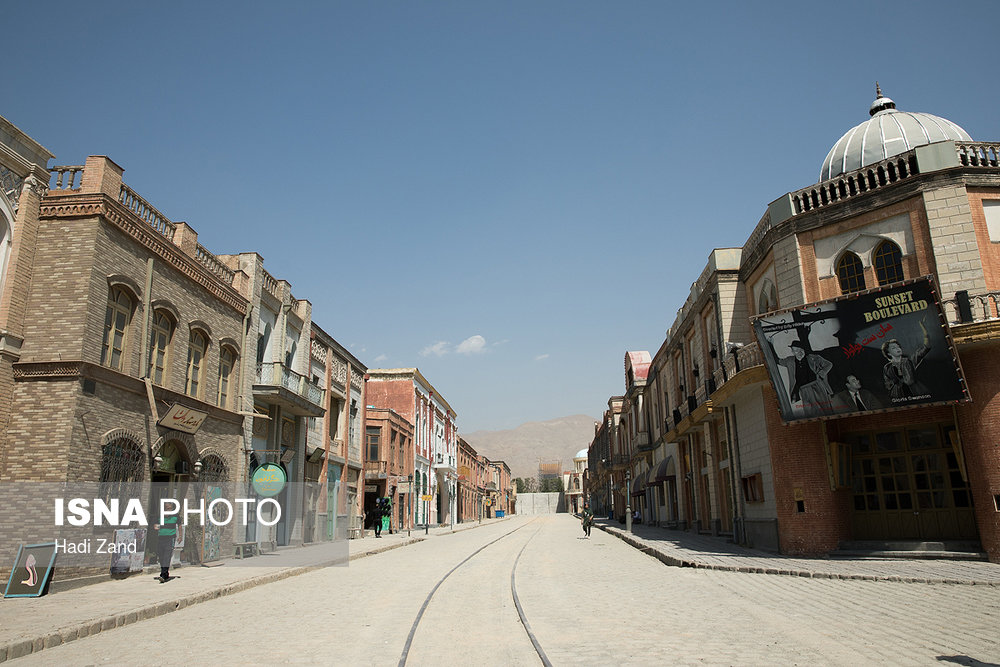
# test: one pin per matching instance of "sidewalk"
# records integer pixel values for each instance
(28, 625)
(683, 549)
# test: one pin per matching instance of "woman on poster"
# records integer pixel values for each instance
(900, 372)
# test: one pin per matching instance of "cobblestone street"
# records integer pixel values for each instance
(586, 601)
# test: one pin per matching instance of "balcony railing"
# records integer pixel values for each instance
(212, 263)
(146, 212)
(376, 469)
(270, 284)
(66, 178)
(985, 307)
(275, 374)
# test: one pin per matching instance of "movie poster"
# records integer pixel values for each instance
(878, 350)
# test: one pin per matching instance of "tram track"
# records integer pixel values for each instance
(513, 591)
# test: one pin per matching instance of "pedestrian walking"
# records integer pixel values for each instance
(383, 509)
(167, 532)
(587, 518)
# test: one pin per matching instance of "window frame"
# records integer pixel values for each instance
(857, 276)
(111, 319)
(222, 392)
(154, 348)
(883, 250)
(196, 379)
(753, 488)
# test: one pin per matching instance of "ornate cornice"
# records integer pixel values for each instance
(11, 185)
(28, 371)
(976, 333)
(88, 205)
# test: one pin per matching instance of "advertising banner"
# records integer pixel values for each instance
(878, 350)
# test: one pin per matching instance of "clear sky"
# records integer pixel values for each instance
(507, 195)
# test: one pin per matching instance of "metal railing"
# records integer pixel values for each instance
(275, 374)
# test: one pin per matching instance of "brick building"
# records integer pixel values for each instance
(126, 321)
(388, 466)
(435, 437)
(334, 454)
(471, 470)
(23, 179)
(917, 197)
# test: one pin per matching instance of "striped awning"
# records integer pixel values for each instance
(640, 483)
(666, 469)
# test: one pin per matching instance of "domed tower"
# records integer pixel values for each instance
(888, 132)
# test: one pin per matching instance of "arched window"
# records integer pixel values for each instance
(227, 361)
(214, 470)
(851, 273)
(159, 345)
(121, 468)
(767, 300)
(196, 360)
(888, 262)
(116, 321)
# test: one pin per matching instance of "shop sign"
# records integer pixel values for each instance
(268, 480)
(183, 419)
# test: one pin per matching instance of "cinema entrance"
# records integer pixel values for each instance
(908, 484)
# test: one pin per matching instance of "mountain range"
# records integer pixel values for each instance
(523, 447)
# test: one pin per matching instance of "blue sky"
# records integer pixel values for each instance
(506, 195)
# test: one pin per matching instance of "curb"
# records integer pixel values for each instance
(673, 561)
(19, 649)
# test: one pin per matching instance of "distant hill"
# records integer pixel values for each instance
(522, 447)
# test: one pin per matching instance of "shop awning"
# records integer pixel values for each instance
(666, 469)
(639, 483)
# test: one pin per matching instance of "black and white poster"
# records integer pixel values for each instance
(877, 350)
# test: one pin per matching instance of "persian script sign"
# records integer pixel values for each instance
(183, 419)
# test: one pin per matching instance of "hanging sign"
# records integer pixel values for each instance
(183, 419)
(268, 480)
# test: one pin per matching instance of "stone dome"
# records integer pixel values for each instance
(888, 132)
(582, 454)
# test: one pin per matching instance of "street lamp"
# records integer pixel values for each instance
(628, 500)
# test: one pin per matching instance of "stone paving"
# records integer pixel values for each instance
(589, 601)
(28, 625)
(684, 549)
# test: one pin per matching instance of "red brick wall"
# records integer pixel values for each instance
(391, 394)
(989, 252)
(979, 426)
(798, 461)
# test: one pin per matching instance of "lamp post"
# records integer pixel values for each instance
(628, 500)
(409, 499)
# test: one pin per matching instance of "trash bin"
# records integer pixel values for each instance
(500, 514)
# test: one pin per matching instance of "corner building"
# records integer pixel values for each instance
(902, 195)
(126, 317)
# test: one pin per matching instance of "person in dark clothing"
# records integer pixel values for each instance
(165, 546)
(383, 507)
(587, 518)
